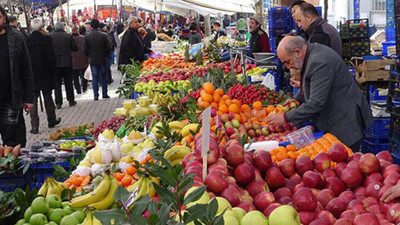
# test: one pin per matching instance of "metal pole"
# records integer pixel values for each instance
(68, 12)
(120, 11)
(26, 17)
(95, 9)
(112, 6)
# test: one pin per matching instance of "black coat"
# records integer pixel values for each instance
(97, 46)
(132, 47)
(151, 36)
(63, 44)
(43, 59)
(20, 69)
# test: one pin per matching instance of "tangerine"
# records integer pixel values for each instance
(270, 108)
(204, 105)
(208, 88)
(127, 180)
(206, 97)
(257, 105)
(131, 170)
(216, 97)
(223, 108)
(220, 92)
(245, 107)
(233, 108)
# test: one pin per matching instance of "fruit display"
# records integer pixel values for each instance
(249, 94)
(114, 124)
(256, 71)
(8, 155)
(74, 131)
(162, 86)
(50, 187)
(77, 181)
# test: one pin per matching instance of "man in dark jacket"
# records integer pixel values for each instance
(219, 31)
(132, 45)
(63, 44)
(259, 41)
(97, 47)
(317, 29)
(328, 94)
(104, 29)
(79, 63)
(16, 84)
(41, 51)
(150, 36)
(194, 36)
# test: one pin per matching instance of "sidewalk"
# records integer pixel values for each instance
(87, 110)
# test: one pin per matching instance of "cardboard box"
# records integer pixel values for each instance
(372, 75)
(371, 65)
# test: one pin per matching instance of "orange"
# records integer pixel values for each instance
(228, 102)
(206, 97)
(119, 176)
(270, 108)
(204, 105)
(220, 92)
(245, 107)
(214, 105)
(233, 108)
(77, 182)
(208, 88)
(225, 97)
(281, 156)
(237, 102)
(216, 97)
(291, 148)
(131, 170)
(223, 108)
(257, 105)
(127, 180)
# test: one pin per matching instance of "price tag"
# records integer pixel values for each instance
(131, 198)
(205, 139)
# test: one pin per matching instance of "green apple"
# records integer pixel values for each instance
(20, 222)
(54, 201)
(222, 205)
(254, 218)
(49, 212)
(52, 223)
(64, 204)
(38, 219)
(204, 199)
(79, 215)
(230, 220)
(239, 212)
(56, 215)
(284, 215)
(68, 210)
(28, 213)
(69, 220)
(39, 205)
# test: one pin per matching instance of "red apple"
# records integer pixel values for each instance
(352, 177)
(373, 177)
(383, 190)
(257, 186)
(234, 154)
(319, 222)
(232, 194)
(351, 214)
(372, 190)
(287, 167)
(339, 168)
(370, 201)
(366, 219)
(306, 217)
(329, 173)
(347, 196)
(344, 221)
(336, 206)
(246, 206)
(263, 200)
(258, 175)
(355, 157)
(336, 185)
(352, 164)
(322, 162)
(380, 216)
(360, 191)
(282, 192)
(245, 197)
(385, 155)
(216, 182)
(297, 187)
(219, 167)
(356, 205)
(188, 158)
(338, 153)
(385, 207)
(369, 163)
(314, 179)
(391, 179)
(327, 217)
(293, 181)
(375, 209)
(262, 160)
(244, 174)
(270, 208)
(324, 196)
(390, 169)
(274, 178)
(248, 157)
(304, 200)
(303, 164)
(285, 200)
(393, 213)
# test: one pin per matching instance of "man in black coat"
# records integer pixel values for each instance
(16, 84)
(63, 45)
(97, 47)
(41, 51)
(132, 46)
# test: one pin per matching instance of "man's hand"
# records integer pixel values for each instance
(276, 120)
(289, 101)
(294, 83)
(28, 107)
(391, 193)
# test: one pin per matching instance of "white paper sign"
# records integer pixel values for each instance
(205, 139)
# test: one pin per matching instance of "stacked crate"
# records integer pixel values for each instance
(355, 38)
(393, 107)
(279, 22)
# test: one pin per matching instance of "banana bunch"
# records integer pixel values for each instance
(164, 99)
(176, 126)
(176, 154)
(101, 197)
(90, 219)
(51, 186)
(190, 127)
(144, 186)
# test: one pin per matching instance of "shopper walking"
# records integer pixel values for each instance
(79, 63)
(97, 47)
(104, 28)
(63, 45)
(328, 94)
(41, 52)
(16, 84)
(132, 45)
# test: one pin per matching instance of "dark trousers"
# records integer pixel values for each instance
(12, 126)
(66, 75)
(48, 104)
(80, 80)
(99, 72)
(109, 75)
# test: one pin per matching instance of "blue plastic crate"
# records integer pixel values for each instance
(394, 145)
(379, 129)
(275, 32)
(390, 10)
(372, 146)
(136, 95)
(279, 22)
(9, 182)
(279, 12)
(44, 170)
(385, 45)
(374, 94)
(396, 158)
(319, 9)
(390, 34)
(394, 127)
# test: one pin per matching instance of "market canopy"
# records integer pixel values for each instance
(48, 3)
